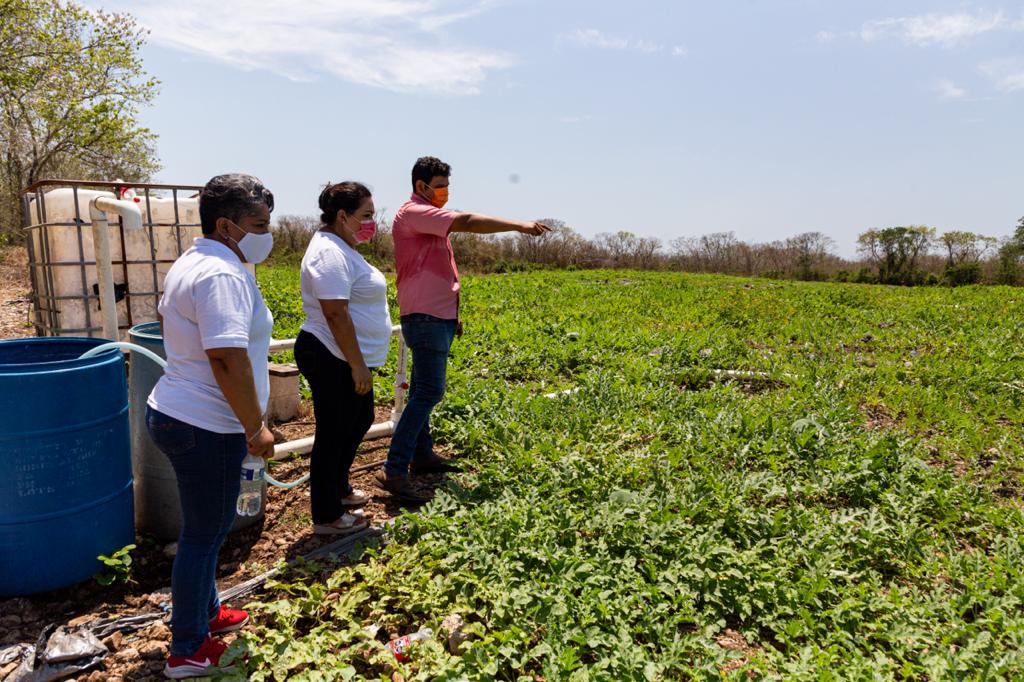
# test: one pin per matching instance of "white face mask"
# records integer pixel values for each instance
(255, 247)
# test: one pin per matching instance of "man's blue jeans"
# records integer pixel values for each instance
(208, 466)
(429, 339)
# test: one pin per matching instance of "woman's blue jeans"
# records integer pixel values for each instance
(208, 467)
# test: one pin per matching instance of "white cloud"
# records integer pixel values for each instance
(591, 37)
(823, 37)
(1008, 74)
(648, 47)
(569, 120)
(947, 30)
(392, 44)
(947, 89)
(1012, 82)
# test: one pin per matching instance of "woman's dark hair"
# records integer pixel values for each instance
(231, 196)
(341, 196)
(427, 168)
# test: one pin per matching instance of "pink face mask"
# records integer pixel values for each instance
(367, 229)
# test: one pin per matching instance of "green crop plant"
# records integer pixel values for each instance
(849, 508)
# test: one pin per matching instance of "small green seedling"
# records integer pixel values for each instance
(119, 567)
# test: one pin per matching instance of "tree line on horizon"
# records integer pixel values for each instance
(902, 255)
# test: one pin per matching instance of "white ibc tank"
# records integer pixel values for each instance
(62, 244)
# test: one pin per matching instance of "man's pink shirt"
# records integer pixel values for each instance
(428, 279)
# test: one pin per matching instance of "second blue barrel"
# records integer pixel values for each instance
(157, 504)
(65, 464)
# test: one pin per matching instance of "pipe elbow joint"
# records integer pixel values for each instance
(129, 211)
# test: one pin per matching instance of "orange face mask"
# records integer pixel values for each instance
(440, 196)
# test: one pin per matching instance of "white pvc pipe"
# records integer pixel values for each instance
(302, 446)
(401, 369)
(132, 219)
(278, 345)
(105, 277)
(568, 391)
(305, 445)
(738, 374)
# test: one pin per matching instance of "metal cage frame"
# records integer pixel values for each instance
(45, 308)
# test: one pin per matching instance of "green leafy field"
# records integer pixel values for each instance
(854, 514)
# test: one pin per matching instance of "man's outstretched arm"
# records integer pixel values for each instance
(482, 224)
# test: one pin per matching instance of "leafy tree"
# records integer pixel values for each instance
(1010, 254)
(964, 251)
(965, 247)
(292, 234)
(895, 252)
(71, 85)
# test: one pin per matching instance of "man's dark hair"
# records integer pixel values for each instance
(341, 196)
(427, 168)
(231, 196)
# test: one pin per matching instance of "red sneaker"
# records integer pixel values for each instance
(228, 620)
(196, 665)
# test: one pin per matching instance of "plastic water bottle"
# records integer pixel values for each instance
(250, 497)
(400, 647)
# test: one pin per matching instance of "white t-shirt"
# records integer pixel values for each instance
(210, 301)
(332, 270)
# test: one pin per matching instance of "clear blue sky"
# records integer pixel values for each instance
(666, 118)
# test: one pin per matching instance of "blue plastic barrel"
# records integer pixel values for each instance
(65, 462)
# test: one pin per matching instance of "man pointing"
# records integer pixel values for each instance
(428, 301)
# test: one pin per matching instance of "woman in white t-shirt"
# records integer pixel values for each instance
(206, 411)
(346, 334)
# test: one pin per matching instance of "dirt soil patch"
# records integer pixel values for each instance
(879, 417)
(15, 292)
(731, 640)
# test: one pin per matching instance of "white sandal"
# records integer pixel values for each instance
(356, 500)
(346, 525)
